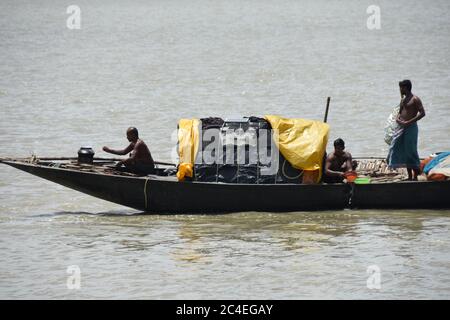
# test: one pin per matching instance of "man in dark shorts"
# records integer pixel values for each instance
(338, 163)
(140, 161)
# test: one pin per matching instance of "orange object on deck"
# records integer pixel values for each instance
(437, 177)
(185, 170)
(351, 176)
(424, 162)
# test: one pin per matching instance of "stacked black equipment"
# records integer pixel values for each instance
(238, 154)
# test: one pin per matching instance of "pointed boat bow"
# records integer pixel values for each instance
(123, 190)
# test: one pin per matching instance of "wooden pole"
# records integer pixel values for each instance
(326, 111)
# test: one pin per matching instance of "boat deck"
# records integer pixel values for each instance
(374, 168)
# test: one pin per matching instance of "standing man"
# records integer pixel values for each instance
(403, 150)
(140, 160)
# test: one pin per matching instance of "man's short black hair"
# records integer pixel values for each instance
(134, 131)
(339, 143)
(406, 83)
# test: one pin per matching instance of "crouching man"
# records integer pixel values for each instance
(338, 163)
(140, 161)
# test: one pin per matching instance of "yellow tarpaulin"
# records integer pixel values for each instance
(188, 140)
(302, 142)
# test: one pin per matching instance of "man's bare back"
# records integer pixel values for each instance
(140, 152)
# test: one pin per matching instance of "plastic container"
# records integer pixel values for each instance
(351, 176)
(362, 180)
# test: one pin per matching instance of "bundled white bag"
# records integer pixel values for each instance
(392, 127)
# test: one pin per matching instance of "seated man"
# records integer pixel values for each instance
(140, 160)
(338, 163)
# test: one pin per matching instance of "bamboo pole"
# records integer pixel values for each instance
(326, 110)
(75, 158)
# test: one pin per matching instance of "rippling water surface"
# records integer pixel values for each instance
(149, 63)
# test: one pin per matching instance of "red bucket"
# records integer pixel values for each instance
(350, 176)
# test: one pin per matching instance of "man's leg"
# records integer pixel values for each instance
(410, 176)
(354, 165)
(416, 173)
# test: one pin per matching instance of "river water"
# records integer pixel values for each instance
(149, 63)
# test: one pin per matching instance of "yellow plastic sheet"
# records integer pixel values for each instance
(302, 142)
(185, 170)
(188, 141)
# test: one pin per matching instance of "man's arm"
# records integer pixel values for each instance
(119, 152)
(420, 112)
(130, 160)
(137, 150)
(348, 163)
(330, 172)
(399, 119)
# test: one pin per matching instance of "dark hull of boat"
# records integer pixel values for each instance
(402, 195)
(155, 194)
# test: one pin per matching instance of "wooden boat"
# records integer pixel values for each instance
(162, 194)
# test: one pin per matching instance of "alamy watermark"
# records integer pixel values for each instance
(73, 22)
(374, 279)
(231, 146)
(374, 20)
(74, 278)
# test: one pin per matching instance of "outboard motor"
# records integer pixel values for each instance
(86, 155)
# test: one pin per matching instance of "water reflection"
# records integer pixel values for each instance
(194, 238)
(305, 232)
(192, 248)
(310, 246)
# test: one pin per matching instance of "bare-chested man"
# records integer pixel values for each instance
(338, 163)
(140, 160)
(403, 150)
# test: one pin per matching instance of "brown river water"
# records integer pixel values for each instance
(150, 63)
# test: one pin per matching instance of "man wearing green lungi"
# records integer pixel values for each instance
(403, 150)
